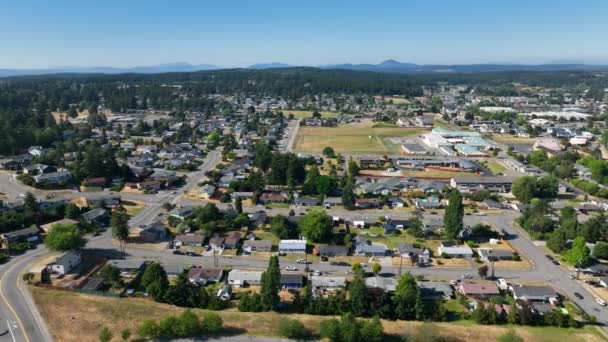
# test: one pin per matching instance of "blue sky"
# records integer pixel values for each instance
(42, 33)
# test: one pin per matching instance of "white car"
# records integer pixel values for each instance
(571, 276)
(290, 268)
(600, 301)
(480, 214)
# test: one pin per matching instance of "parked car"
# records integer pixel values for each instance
(600, 301)
(178, 252)
(556, 263)
(578, 295)
(290, 268)
(549, 257)
(303, 261)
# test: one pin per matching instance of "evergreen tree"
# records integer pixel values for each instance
(348, 196)
(358, 295)
(271, 284)
(120, 227)
(454, 214)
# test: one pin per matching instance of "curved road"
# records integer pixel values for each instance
(17, 308)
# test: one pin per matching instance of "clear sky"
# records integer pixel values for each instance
(51, 33)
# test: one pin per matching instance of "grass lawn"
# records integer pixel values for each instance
(391, 240)
(279, 205)
(72, 316)
(357, 138)
(264, 235)
(308, 113)
(133, 207)
(495, 167)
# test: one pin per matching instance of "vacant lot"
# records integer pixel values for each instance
(351, 138)
(77, 317)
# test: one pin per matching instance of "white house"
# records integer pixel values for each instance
(292, 246)
(239, 278)
(453, 250)
(65, 263)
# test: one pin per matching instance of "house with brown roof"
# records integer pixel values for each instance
(202, 276)
(478, 290)
(232, 240)
(188, 240)
(272, 197)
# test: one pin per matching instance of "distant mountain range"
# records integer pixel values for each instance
(388, 66)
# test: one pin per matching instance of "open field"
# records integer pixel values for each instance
(308, 113)
(78, 317)
(495, 167)
(508, 138)
(362, 138)
(397, 100)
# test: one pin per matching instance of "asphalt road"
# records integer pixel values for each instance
(17, 308)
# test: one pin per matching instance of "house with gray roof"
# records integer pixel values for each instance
(386, 284)
(435, 290)
(364, 247)
(543, 294)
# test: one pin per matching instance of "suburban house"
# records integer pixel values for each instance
(202, 276)
(232, 240)
(128, 266)
(98, 217)
(435, 290)
(364, 247)
(490, 204)
(182, 213)
(292, 246)
(65, 263)
(492, 183)
(292, 281)
(217, 243)
(363, 222)
(306, 201)
(382, 283)
(545, 294)
(368, 203)
(324, 283)
(478, 290)
(241, 278)
(412, 252)
(272, 197)
(329, 202)
(325, 250)
(453, 250)
(110, 201)
(173, 270)
(250, 246)
(487, 254)
(31, 234)
(207, 191)
(153, 232)
(428, 203)
(391, 226)
(188, 240)
(53, 177)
